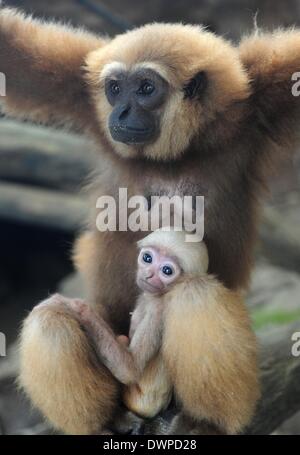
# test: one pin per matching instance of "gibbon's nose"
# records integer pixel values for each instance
(154, 281)
(124, 110)
(149, 275)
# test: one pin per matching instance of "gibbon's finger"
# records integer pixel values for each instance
(123, 339)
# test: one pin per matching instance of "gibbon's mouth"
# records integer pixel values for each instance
(129, 135)
(147, 286)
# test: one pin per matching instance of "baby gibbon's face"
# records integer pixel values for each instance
(156, 270)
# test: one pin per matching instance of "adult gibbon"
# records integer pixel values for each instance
(175, 109)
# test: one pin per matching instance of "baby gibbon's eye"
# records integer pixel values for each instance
(196, 86)
(147, 258)
(114, 88)
(167, 270)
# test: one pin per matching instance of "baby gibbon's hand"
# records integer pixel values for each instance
(123, 339)
(82, 311)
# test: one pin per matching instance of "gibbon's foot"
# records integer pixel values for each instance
(82, 311)
(86, 315)
(111, 350)
(60, 372)
(57, 301)
(78, 308)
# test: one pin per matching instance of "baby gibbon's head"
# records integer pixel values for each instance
(165, 256)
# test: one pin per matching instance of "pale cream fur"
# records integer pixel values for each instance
(192, 256)
(208, 353)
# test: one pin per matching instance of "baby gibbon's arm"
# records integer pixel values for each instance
(147, 338)
(112, 352)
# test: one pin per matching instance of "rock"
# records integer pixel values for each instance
(9, 365)
(17, 415)
(274, 287)
(290, 426)
(280, 372)
(15, 410)
(273, 298)
(280, 234)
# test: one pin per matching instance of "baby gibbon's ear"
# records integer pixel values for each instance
(272, 61)
(43, 66)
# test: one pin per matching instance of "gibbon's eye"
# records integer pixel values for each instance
(114, 88)
(147, 258)
(167, 270)
(147, 88)
(196, 86)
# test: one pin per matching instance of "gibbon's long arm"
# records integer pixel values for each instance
(147, 338)
(114, 355)
(271, 60)
(43, 66)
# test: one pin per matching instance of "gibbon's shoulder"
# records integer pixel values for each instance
(206, 294)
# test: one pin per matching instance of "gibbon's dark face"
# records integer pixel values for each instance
(159, 87)
(136, 99)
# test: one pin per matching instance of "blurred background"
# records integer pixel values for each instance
(42, 170)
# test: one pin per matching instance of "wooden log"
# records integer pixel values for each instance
(43, 156)
(42, 208)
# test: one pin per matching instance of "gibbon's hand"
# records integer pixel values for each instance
(82, 311)
(59, 301)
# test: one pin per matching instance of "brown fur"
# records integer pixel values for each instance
(43, 64)
(219, 146)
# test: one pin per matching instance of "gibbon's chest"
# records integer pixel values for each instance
(177, 181)
(159, 180)
(213, 179)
